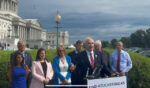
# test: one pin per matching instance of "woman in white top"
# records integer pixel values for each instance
(61, 66)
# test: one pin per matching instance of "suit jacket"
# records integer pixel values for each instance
(84, 64)
(106, 62)
(58, 75)
(74, 75)
(38, 74)
(73, 56)
(27, 58)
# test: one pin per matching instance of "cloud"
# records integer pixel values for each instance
(107, 32)
(100, 19)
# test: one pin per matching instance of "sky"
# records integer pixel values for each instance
(100, 19)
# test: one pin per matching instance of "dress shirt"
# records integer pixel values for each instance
(23, 53)
(88, 54)
(76, 52)
(125, 61)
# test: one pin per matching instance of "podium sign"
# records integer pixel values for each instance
(113, 82)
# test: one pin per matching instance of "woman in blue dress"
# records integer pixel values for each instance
(18, 72)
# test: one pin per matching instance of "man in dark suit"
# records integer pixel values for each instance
(74, 59)
(105, 57)
(89, 59)
(27, 58)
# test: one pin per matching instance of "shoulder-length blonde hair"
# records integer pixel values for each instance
(60, 47)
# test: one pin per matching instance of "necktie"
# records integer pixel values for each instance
(92, 60)
(118, 62)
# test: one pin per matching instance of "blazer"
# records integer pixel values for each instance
(106, 62)
(84, 64)
(74, 75)
(38, 74)
(57, 70)
(27, 58)
(73, 56)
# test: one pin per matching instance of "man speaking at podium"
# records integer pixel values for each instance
(88, 60)
(121, 61)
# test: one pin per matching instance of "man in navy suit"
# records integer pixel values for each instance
(89, 59)
(27, 58)
(74, 59)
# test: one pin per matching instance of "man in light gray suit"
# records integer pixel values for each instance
(27, 58)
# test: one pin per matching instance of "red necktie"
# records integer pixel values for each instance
(92, 60)
(118, 62)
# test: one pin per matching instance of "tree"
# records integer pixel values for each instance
(137, 39)
(125, 41)
(105, 44)
(113, 43)
(147, 38)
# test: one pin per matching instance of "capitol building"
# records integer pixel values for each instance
(14, 28)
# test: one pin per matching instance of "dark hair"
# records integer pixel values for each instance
(15, 59)
(78, 42)
(38, 54)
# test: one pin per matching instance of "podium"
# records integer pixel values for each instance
(112, 82)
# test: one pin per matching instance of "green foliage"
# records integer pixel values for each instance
(139, 74)
(5, 64)
(113, 43)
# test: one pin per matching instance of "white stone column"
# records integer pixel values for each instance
(15, 7)
(35, 34)
(6, 5)
(31, 33)
(19, 31)
(29, 37)
(38, 34)
(24, 33)
(11, 6)
(1, 4)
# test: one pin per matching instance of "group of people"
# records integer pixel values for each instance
(71, 69)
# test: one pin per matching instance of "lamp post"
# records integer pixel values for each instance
(57, 19)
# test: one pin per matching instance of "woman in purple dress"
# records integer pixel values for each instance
(18, 72)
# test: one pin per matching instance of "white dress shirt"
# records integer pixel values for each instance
(89, 57)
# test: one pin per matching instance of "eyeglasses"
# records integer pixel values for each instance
(61, 50)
